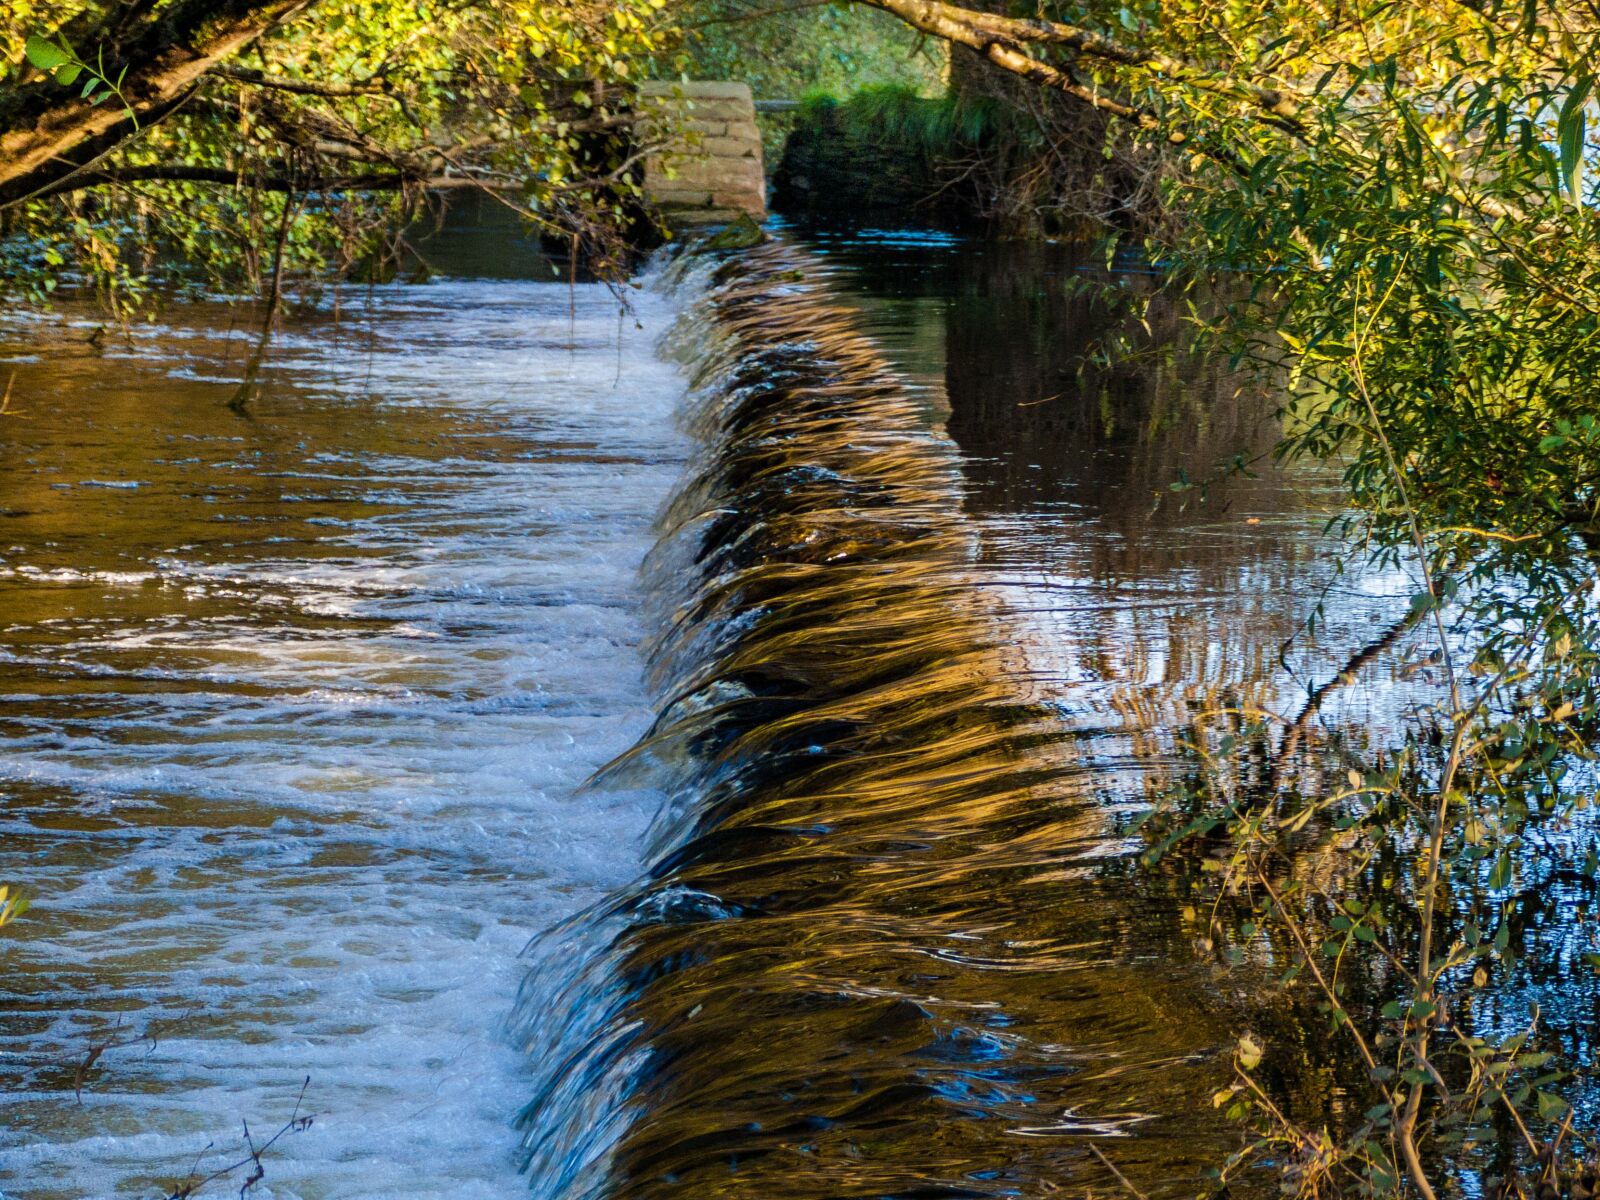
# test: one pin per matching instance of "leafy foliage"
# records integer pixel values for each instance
(975, 156)
(787, 52)
(12, 905)
(1397, 197)
(341, 126)
(60, 61)
(784, 52)
(1422, 269)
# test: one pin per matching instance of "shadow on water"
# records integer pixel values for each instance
(885, 949)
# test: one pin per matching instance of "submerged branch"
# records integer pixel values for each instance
(1347, 674)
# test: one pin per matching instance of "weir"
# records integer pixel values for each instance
(919, 651)
(1057, 667)
(872, 956)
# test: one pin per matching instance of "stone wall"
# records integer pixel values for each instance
(713, 171)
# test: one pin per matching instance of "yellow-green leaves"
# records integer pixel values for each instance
(527, 95)
(1572, 137)
(12, 905)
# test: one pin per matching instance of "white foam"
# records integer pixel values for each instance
(305, 826)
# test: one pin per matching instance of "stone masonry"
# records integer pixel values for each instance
(713, 170)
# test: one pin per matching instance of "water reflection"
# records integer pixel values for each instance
(910, 684)
(1178, 599)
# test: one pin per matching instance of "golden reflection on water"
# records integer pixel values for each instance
(293, 707)
(879, 954)
(922, 648)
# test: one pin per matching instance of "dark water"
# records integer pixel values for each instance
(929, 641)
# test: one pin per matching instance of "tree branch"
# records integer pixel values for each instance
(48, 135)
(303, 87)
(278, 182)
(982, 31)
(963, 27)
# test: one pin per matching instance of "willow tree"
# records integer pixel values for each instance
(238, 138)
(1397, 197)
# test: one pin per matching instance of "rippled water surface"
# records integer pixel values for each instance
(939, 628)
(297, 704)
(294, 707)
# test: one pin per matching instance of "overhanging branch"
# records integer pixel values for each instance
(376, 181)
(1005, 39)
(40, 146)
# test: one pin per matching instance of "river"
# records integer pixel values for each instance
(298, 705)
(294, 706)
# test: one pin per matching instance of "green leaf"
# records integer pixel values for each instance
(1551, 1106)
(1572, 129)
(1501, 874)
(68, 75)
(47, 56)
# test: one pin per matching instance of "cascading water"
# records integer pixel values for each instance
(876, 954)
(296, 707)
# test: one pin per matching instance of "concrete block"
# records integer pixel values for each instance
(719, 168)
(731, 147)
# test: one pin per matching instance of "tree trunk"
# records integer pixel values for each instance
(47, 132)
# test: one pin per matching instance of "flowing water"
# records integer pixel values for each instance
(926, 645)
(298, 706)
(294, 708)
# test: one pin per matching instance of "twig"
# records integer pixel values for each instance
(99, 1048)
(295, 1124)
(5, 400)
(1121, 1178)
(246, 390)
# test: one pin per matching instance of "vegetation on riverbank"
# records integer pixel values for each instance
(790, 53)
(969, 159)
(1404, 191)
(247, 139)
